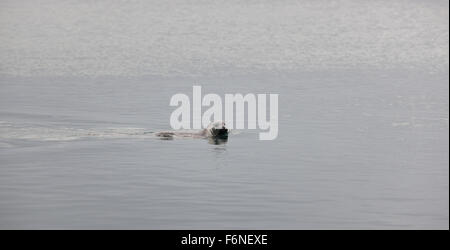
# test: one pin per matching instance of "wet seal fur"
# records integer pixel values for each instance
(215, 131)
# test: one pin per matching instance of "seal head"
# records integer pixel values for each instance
(217, 130)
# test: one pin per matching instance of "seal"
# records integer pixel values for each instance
(215, 130)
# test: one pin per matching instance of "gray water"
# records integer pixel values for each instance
(363, 114)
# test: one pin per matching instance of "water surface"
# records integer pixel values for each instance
(363, 115)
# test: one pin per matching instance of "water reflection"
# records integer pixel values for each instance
(218, 141)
